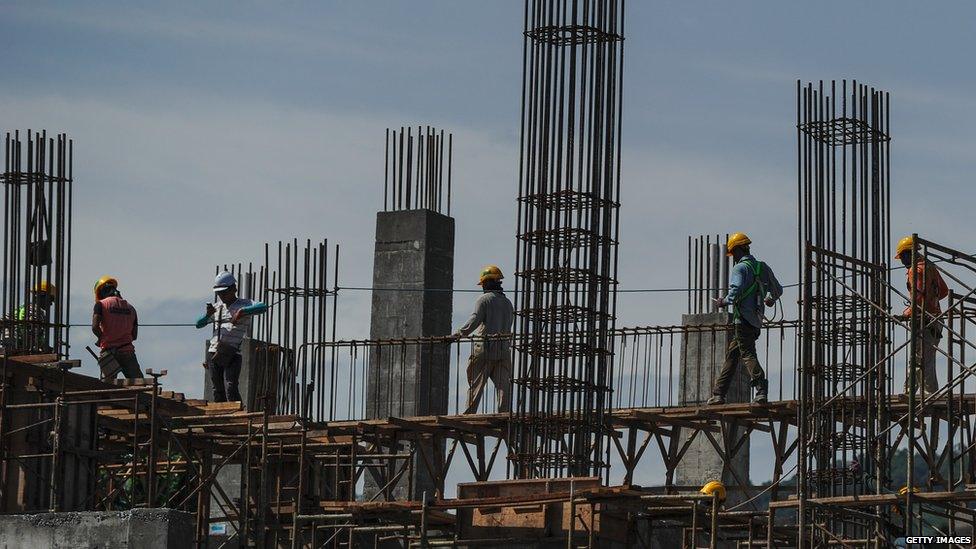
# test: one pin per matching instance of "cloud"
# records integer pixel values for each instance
(201, 24)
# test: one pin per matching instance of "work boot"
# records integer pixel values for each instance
(762, 390)
(716, 399)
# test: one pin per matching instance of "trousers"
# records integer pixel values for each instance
(925, 377)
(480, 370)
(741, 348)
(225, 373)
(112, 362)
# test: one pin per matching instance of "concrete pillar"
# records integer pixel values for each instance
(702, 355)
(414, 251)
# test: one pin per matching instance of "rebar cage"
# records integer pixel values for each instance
(37, 184)
(566, 263)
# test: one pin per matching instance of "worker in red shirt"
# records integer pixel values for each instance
(116, 325)
(930, 288)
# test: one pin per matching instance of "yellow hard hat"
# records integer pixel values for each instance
(904, 245)
(737, 239)
(45, 287)
(104, 281)
(712, 487)
(490, 272)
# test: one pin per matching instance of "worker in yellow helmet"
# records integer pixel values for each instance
(490, 358)
(752, 286)
(34, 319)
(929, 288)
(116, 325)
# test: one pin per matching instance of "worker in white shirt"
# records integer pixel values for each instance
(231, 316)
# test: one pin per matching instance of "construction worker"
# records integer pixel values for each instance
(232, 322)
(116, 325)
(752, 285)
(490, 358)
(930, 288)
(35, 318)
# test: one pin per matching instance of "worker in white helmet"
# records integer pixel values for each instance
(231, 316)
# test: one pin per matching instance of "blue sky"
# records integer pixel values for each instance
(203, 129)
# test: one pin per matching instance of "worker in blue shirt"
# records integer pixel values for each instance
(752, 287)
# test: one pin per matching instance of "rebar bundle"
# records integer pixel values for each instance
(708, 272)
(37, 243)
(566, 262)
(843, 189)
(415, 176)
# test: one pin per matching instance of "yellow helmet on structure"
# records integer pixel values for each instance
(104, 281)
(45, 287)
(490, 272)
(904, 490)
(713, 487)
(904, 245)
(736, 240)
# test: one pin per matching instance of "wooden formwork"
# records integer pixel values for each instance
(538, 517)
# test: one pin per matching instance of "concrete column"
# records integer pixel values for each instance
(414, 251)
(702, 355)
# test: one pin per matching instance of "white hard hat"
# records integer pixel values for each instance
(223, 281)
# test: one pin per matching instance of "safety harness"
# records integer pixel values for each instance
(756, 287)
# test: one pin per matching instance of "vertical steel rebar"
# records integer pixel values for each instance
(425, 171)
(566, 258)
(37, 243)
(842, 185)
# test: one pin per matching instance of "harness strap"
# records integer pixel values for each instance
(756, 267)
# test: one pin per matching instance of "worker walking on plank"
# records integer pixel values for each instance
(930, 288)
(116, 325)
(752, 285)
(490, 357)
(232, 322)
